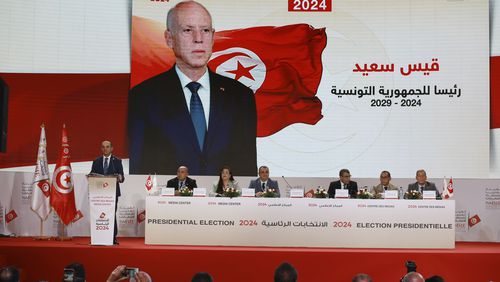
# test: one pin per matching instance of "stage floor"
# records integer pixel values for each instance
(45, 260)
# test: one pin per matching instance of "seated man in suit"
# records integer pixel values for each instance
(344, 182)
(190, 115)
(385, 183)
(422, 184)
(107, 164)
(264, 182)
(182, 180)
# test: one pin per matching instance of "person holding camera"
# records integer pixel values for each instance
(123, 272)
(74, 272)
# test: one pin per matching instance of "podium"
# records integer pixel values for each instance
(102, 200)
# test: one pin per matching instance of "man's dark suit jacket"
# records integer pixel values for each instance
(429, 186)
(174, 183)
(115, 167)
(162, 136)
(257, 185)
(352, 186)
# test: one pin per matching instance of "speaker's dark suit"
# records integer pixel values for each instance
(352, 186)
(162, 136)
(174, 183)
(115, 167)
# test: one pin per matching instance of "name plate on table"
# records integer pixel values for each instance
(199, 192)
(429, 195)
(296, 193)
(248, 192)
(391, 194)
(167, 191)
(341, 193)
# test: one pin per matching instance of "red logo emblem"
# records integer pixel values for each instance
(45, 187)
(78, 216)
(474, 220)
(10, 216)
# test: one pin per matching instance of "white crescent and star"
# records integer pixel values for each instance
(63, 182)
(241, 64)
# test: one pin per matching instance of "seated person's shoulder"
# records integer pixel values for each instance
(150, 84)
(233, 85)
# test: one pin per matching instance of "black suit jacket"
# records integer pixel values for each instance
(174, 182)
(352, 186)
(115, 167)
(162, 136)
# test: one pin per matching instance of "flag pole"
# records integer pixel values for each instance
(41, 237)
(62, 231)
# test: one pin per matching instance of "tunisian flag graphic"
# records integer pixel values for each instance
(62, 194)
(282, 65)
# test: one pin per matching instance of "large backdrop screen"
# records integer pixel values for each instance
(394, 85)
(367, 85)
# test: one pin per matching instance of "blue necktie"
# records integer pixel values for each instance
(197, 113)
(106, 165)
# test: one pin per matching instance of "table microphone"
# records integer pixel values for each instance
(288, 184)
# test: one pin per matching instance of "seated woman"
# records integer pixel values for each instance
(226, 180)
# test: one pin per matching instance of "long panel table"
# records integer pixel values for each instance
(303, 222)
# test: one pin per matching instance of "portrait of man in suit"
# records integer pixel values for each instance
(182, 180)
(344, 182)
(190, 115)
(264, 182)
(107, 164)
(422, 184)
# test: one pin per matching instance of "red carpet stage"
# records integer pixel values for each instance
(44, 260)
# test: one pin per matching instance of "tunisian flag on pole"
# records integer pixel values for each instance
(281, 64)
(447, 189)
(40, 198)
(62, 194)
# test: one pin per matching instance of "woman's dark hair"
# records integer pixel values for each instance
(220, 184)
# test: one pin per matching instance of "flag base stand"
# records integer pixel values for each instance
(63, 238)
(62, 233)
(42, 238)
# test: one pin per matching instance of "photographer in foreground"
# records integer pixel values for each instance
(122, 272)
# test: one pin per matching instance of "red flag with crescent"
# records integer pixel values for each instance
(281, 64)
(149, 183)
(62, 194)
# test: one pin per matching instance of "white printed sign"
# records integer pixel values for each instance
(102, 198)
(307, 222)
